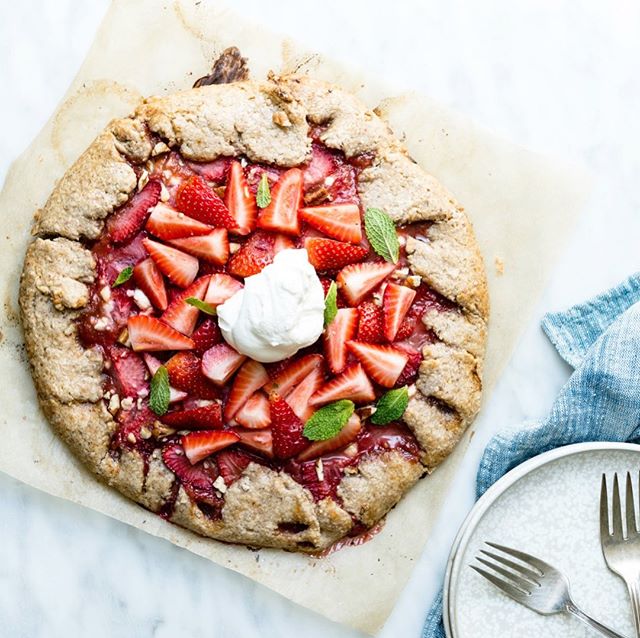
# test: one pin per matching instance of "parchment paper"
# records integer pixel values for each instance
(521, 205)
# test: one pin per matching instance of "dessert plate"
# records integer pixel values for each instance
(548, 507)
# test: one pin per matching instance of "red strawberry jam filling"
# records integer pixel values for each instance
(182, 245)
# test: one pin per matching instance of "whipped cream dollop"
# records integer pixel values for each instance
(279, 310)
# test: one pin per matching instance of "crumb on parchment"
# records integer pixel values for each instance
(499, 264)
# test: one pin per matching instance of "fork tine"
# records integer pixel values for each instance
(507, 588)
(529, 560)
(604, 510)
(630, 508)
(618, 532)
(514, 579)
(519, 569)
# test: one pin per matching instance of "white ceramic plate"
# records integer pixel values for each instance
(548, 507)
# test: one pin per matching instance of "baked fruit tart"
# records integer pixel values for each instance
(247, 309)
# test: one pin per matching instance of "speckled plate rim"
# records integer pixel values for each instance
(454, 564)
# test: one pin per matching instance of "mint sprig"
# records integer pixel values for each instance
(331, 304)
(328, 421)
(160, 391)
(123, 276)
(263, 196)
(205, 307)
(381, 233)
(391, 406)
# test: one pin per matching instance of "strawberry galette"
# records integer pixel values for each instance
(247, 309)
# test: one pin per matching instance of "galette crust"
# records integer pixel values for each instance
(266, 122)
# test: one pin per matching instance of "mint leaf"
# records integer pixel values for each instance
(381, 233)
(331, 304)
(123, 276)
(160, 392)
(391, 406)
(207, 308)
(328, 421)
(263, 196)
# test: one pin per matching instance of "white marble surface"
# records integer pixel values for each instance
(557, 76)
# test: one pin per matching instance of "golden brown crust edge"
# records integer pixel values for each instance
(268, 122)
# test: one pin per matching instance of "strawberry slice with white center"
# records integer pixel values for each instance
(220, 362)
(336, 335)
(383, 364)
(180, 268)
(348, 434)
(181, 315)
(153, 364)
(260, 441)
(199, 445)
(212, 248)
(281, 214)
(352, 384)
(198, 200)
(250, 378)
(239, 200)
(298, 400)
(292, 374)
(129, 371)
(221, 287)
(206, 417)
(358, 280)
(396, 302)
(329, 254)
(167, 223)
(149, 279)
(340, 221)
(286, 429)
(255, 414)
(185, 373)
(127, 222)
(151, 334)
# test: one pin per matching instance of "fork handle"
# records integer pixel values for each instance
(591, 622)
(634, 594)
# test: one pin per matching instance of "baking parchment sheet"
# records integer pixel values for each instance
(522, 207)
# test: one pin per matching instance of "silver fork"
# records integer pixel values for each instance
(534, 584)
(621, 548)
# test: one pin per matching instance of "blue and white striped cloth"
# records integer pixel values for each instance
(600, 339)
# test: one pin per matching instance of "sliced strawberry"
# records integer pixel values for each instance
(286, 429)
(253, 256)
(207, 334)
(221, 287)
(292, 374)
(167, 223)
(185, 373)
(153, 364)
(410, 372)
(240, 201)
(198, 200)
(370, 323)
(321, 485)
(250, 378)
(220, 362)
(149, 279)
(232, 462)
(199, 445)
(281, 214)
(180, 268)
(212, 247)
(181, 315)
(255, 414)
(358, 280)
(129, 372)
(383, 364)
(329, 254)
(396, 302)
(348, 434)
(340, 221)
(196, 479)
(299, 397)
(336, 335)
(281, 242)
(149, 333)
(130, 219)
(260, 441)
(352, 384)
(207, 417)
(214, 171)
(322, 165)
